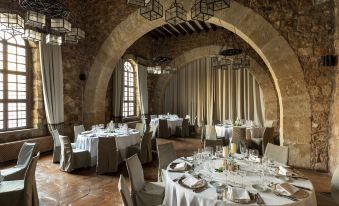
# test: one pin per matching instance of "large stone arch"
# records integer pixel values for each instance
(262, 77)
(283, 64)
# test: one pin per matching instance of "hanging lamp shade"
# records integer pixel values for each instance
(152, 10)
(176, 14)
(12, 23)
(71, 40)
(32, 35)
(53, 39)
(61, 25)
(219, 4)
(202, 10)
(76, 33)
(35, 19)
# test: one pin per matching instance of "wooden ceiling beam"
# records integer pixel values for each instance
(169, 28)
(195, 26)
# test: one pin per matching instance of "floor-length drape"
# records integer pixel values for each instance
(208, 94)
(52, 84)
(118, 84)
(143, 90)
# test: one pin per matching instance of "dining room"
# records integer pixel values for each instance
(169, 102)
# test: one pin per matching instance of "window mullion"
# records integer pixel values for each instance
(5, 82)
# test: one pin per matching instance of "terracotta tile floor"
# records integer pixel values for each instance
(84, 187)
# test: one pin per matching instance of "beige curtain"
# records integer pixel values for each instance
(118, 84)
(143, 90)
(201, 91)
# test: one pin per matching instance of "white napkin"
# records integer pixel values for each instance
(86, 132)
(286, 189)
(191, 181)
(180, 166)
(254, 158)
(236, 193)
(284, 171)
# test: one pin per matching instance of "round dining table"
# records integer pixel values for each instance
(178, 195)
(173, 123)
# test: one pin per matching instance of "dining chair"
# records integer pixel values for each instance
(163, 130)
(239, 136)
(153, 130)
(57, 146)
(78, 130)
(24, 158)
(268, 137)
(140, 127)
(215, 122)
(211, 133)
(166, 155)
(124, 192)
(108, 155)
(143, 193)
(277, 153)
(21, 192)
(213, 143)
(143, 149)
(72, 158)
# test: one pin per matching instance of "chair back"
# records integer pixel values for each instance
(166, 155)
(335, 185)
(215, 122)
(25, 154)
(124, 192)
(108, 155)
(66, 154)
(30, 190)
(268, 137)
(78, 130)
(163, 129)
(277, 153)
(136, 175)
(56, 137)
(146, 148)
(211, 133)
(141, 128)
(213, 143)
(239, 136)
(185, 128)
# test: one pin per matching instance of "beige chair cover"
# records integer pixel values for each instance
(21, 192)
(72, 158)
(277, 153)
(143, 193)
(78, 130)
(239, 136)
(108, 155)
(335, 185)
(213, 143)
(124, 192)
(268, 137)
(211, 133)
(153, 129)
(185, 131)
(166, 155)
(163, 130)
(141, 128)
(145, 154)
(57, 146)
(24, 158)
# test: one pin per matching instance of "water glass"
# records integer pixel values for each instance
(243, 150)
(220, 193)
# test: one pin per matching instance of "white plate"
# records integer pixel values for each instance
(260, 188)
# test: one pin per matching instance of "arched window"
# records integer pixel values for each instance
(129, 90)
(13, 82)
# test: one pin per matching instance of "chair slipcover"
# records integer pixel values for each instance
(268, 137)
(239, 136)
(21, 192)
(78, 130)
(166, 155)
(153, 129)
(211, 133)
(143, 149)
(57, 146)
(143, 193)
(163, 130)
(24, 158)
(335, 185)
(213, 143)
(185, 131)
(124, 192)
(277, 153)
(108, 155)
(141, 128)
(72, 158)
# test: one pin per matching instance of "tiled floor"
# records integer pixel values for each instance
(85, 187)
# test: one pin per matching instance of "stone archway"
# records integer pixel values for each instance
(262, 77)
(283, 64)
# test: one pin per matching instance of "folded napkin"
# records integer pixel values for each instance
(191, 181)
(254, 158)
(86, 132)
(236, 193)
(286, 189)
(284, 171)
(180, 166)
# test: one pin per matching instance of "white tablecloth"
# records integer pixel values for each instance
(227, 131)
(172, 123)
(90, 142)
(176, 195)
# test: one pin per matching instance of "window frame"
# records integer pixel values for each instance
(28, 76)
(129, 87)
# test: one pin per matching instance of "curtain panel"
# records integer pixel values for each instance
(143, 90)
(200, 91)
(118, 88)
(52, 84)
